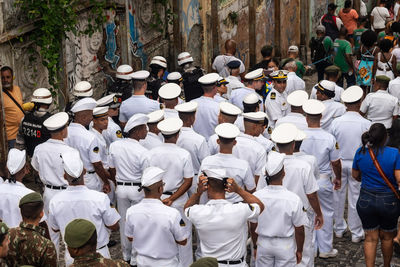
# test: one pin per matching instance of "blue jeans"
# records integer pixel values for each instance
(378, 210)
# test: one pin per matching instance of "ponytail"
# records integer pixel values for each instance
(374, 138)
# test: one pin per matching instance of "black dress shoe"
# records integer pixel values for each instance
(111, 243)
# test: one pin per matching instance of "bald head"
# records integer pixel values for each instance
(230, 46)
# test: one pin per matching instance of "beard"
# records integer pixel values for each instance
(7, 85)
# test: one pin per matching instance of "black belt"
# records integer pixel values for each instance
(129, 183)
(232, 262)
(101, 247)
(169, 193)
(91, 172)
(55, 187)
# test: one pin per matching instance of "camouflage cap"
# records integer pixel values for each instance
(332, 69)
(78, 232)
(382, 78)
(30, 198)
(205, 262)
(3, 228)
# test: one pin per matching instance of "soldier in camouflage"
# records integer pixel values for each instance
(4, 241)
(81, 239)
(28, 246)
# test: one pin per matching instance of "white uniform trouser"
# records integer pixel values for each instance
(276, 251)
(352, 188)
(48, 194)
(111, 194)
(185, 253)
(103, 251)
(143, 261)
(324, 236)
(92, 181)
(307, 259)
(127, 195)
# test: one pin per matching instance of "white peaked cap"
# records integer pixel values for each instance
(83, 89)
(293, 48)
(174, 76)
(274, 163)
(301, 135)
(155, 116)
(229, 109)
(255, 74)
(219, 174)
(297, 98)
(100, 111)
(169, 91)
(208, 79)
(326, 85)
(72, 163)
(105, 101)
(56, 121)
(16, 160)
(170, 126)
(313, 107)
(251, 98)
(255, 116)
(42, 95)
(187, 107)
(86, 103)
(352, 94)
(184, 57)
(227, 130)
(140, 75)
(284, 133)
(152, 175)
(160, 61)
(124, 72)
(136, 120)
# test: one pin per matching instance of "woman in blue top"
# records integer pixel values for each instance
(377, 205)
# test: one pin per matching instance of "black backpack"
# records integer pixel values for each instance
(317, 49)
(191, 86)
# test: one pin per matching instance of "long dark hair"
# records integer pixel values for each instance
(394, 135)
(374, 138)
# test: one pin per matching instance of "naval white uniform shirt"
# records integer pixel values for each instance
(238, 95)
(294, 83)
(276, 106)
(347, 130)
(206, 116)
(129, 158)
(152, 140)
(137, 104)
(283, 212)
(235, 168)
(323, 146)
(312, 160)
(267, 144)
(394, 87)
(175, 161)
(233, 84)
(86, 143)
(11, 193)
(112, 133)
(212, 144)
(103, 148)
(295, 118)
(154, 228)
(247, 148)
(47, 161)
(79, 202)
(338, 92)
(380, 107)
(332, 110)
(240, 123)
(195, 144)
(170, 113)
(220, 63)
(222, 227)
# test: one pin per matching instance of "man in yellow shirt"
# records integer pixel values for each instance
(12, 109)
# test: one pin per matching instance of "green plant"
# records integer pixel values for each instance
(53, 19)
(159, 24)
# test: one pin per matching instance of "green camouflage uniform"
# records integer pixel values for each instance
(29, 246)
(95, 259)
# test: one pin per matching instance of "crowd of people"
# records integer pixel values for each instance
(229, 168)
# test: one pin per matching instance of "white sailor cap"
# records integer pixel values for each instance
(100, 112)
(352, 94)
(229, 109)
(284, 133)
(297, 98)
(218, 174)
(109, 100)
(160, 61)
(313, 107)
(140, 75)
(184, 57)
(83, 89)
(86, 103)
(255, 116)
(174, 76)
(170, 126)
(255, 75)
(274, 163)
(251, 98)
(155, 116)
(293, 48)
(42, 95)
(187, 107)
(56, 121)
(124, 72)
(227, 130)
(325, 85)
(301, 135)
(169, 91)
(16, 160)
(209, 79)
(136, 120)
(72, 163)
(151, 175)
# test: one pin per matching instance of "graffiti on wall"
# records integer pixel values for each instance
(190, 16)
(136, 47)
(269, 7)
(317, 9)
(111, 40)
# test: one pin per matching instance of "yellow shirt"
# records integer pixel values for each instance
(13, 113)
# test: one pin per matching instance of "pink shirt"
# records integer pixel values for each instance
(349, 20)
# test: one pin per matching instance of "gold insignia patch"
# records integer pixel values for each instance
(337, 146)
(96, 149)
(182, 223)
(284, 103)
(304, 209)
(269, 130)
(251, 207)
(118, 134)
(273, 96)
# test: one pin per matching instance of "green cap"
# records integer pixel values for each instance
(3, 228)
(78, 232)
(382, 78)
(30, 198)
(205, 262)
(332, 69)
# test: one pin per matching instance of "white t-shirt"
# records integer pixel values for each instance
(220, 62)
(396, 9)
(380, 15)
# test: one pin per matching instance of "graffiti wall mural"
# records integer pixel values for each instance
(136, 47)
(111, 31)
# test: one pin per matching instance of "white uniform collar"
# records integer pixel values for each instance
(186, 128)
(16, 183)
(382, 91)
(74, 124)
(276, 187)
(77, 187)
(246, 136)
(292, 73)
(56, 141)
(296, 114)
(151, 200)
(217, 201)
